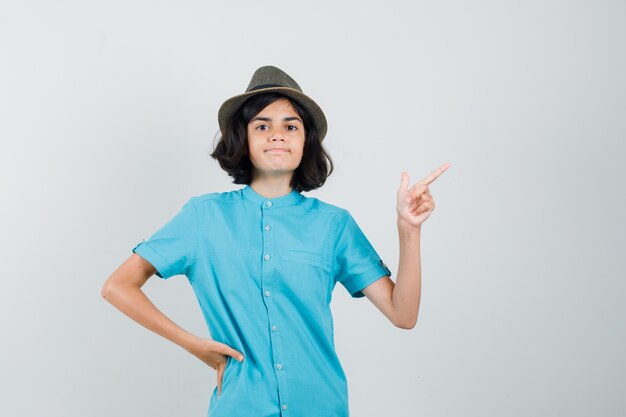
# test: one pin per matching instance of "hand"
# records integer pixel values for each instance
(215, 354)
(416, 204)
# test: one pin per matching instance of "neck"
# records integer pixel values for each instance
(272, 187)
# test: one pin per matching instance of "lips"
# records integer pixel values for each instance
(277, 150)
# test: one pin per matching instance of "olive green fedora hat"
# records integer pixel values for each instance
(271, 79)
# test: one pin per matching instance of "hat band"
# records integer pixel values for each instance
(258, 87)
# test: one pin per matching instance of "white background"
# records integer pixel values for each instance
(108, 111)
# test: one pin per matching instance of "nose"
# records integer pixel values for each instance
(277, 134)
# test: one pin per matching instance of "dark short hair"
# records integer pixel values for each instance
(231, 150)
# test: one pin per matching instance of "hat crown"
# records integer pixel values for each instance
(271, 76)
(268, 79)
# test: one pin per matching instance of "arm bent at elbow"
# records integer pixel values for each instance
(123, 290)
(380, 293)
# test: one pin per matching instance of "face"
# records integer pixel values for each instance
(276, 126)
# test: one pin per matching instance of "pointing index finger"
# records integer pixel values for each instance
(435, 174)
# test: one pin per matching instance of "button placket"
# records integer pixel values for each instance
(268, 267)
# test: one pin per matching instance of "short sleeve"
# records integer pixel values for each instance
(172, 248)
(356, 263)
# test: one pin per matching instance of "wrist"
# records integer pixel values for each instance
(190, 342)
(406, 228)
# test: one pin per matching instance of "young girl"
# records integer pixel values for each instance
(263, 260)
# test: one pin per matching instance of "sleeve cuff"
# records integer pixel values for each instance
(160, 264)
(357, 284)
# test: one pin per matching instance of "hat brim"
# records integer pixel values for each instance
(230, 106)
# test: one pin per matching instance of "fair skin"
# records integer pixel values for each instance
(279, 126)
(123, 290)
(400, 301)
(276, 126)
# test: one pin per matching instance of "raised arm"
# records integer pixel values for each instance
(400, 301)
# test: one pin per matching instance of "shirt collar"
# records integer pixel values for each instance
(294, 197)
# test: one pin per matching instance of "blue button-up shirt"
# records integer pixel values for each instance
(263, 271)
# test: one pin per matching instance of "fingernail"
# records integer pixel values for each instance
(240, 358)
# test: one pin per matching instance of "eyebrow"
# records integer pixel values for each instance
(268, 119)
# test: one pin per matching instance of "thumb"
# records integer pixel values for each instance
(404, 180)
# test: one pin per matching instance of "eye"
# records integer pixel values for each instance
(294, 127)
(259, 127)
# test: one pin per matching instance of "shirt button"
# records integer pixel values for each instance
(268, 203)
(267, 257)
(279, 366)
(267, 228)
(284, 406)
(274, 328)
(267, 293)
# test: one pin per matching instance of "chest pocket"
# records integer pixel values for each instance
(307, 258)
(308, 279)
